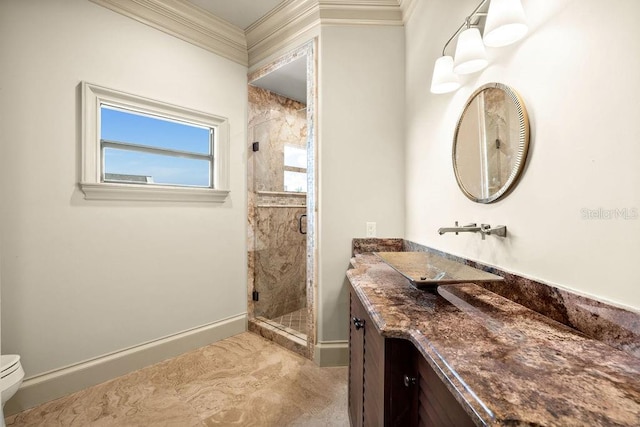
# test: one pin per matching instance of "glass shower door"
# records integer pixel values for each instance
(279, 225)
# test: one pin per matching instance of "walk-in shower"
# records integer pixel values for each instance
(278, 220)
(280, 175)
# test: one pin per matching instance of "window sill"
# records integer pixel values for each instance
(147, 193)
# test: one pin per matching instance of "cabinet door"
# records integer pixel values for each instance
(356, 359)
(366, 369)
(437, 406)
(391, 383)
(401, 380)
(373, 386)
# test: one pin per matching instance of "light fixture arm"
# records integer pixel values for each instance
(505, 24)
(466, 24)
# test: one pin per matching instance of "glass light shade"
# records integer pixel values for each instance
(505, 24)
(444, 80)
(470, 54)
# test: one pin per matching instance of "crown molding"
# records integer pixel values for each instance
(289, 22)
(293, 18)
(285, 23)
(360, 13)
(188, 22)
(407, 7)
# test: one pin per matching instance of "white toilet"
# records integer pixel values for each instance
(11, 376)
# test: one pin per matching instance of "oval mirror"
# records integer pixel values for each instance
(490, 143)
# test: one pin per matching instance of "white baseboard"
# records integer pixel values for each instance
(58, 383)
(331, 353)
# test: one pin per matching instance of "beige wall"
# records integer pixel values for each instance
(81, 279)
(575, 71)
(360, 154)
(360, 136)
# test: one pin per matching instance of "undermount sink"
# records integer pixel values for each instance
(429, 270)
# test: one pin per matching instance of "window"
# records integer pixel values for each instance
(140, 149)
(295, 169)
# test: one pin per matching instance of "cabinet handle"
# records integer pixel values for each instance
(358, 323)
(409, 381)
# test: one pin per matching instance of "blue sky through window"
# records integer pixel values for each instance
(162, 169)
(131, 127)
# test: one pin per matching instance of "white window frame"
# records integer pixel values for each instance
(93, 96)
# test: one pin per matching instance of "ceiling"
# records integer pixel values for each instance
(290, 80)
(241, 13)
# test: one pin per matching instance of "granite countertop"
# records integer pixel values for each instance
(506, 364)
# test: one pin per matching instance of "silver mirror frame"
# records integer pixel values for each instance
(523, 144)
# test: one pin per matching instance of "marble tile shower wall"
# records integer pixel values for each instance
(615, 326)
(274, 121)
(280, 262)
(277, 261)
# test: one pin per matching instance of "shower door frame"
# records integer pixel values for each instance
(309, 49)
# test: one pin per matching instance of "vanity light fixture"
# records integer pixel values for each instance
(505, 24)
(470, 54)
(444, 79)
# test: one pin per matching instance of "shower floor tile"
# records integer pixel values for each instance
(296, 320)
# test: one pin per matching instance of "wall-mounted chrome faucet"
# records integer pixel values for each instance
(484, 229)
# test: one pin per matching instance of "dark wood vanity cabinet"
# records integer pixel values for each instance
(436, 404)
(358, 320)
(391, 383)
(377, 367)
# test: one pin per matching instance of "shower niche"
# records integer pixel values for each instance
(280, 202)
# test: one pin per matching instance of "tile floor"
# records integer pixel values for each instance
(296, 320)
(244, 380)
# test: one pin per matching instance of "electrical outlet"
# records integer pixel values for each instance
(371, 229)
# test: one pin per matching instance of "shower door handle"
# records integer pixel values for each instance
(300, 224)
